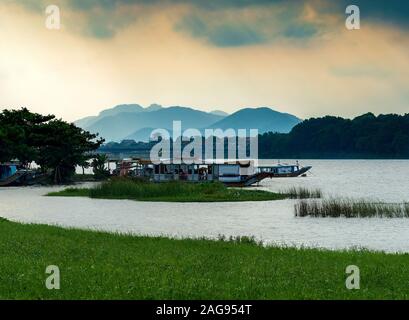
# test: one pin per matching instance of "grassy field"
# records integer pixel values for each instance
(168, 191)
(97, 265)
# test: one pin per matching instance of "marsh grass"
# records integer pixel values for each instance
(302, 193)
(175, 191)
(99, 265)
(350, 208)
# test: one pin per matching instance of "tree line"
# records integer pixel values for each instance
(53, 144)
(366, 136)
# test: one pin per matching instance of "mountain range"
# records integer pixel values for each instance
(134, 122)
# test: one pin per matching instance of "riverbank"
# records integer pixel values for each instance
(96, 265)
(176, 191)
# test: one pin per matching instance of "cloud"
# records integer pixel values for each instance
(246, 26)
(223, 34)
(361, 70)
(300, 31)
(226, 23)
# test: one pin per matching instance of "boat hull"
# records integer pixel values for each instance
(291, 174)
(258, 177)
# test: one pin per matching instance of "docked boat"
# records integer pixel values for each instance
(232, 173)
(285, 170)
(13, 174)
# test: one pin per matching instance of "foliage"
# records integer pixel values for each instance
(366, 136)
(98, 166)
(18, 134)
(55, 145)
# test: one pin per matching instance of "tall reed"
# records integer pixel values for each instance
(350, 209)
(302, 193)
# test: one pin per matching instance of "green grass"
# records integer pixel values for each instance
(351, 208)
(168, 191)
(97, 265)
(302, 193)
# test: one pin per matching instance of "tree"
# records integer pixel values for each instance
(98, 165)
(17, 128)
(5, 144)
(63, 146)
(57, 146)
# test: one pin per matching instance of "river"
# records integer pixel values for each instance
(271, 221)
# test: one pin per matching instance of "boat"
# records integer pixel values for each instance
(285, 170)
(235, 173)
(13, 174)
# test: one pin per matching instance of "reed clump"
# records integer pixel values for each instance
(117, 188)
(302, 193)
(349, 208)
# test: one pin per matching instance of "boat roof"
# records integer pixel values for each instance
(197, 161)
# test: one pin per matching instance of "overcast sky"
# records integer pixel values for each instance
(294, 56)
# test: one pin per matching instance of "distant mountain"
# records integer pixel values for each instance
(129, 108)
(133, 122)
(154, 107)
(141, 135)
(88, 121)
(126, 124)
(85, 122)
(264, 119)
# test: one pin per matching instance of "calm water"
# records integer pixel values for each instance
(271, 221)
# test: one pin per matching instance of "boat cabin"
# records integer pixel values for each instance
(204, 171)
(280, 169)
(7, 170)
(233, 171)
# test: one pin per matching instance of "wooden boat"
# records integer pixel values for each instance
(285, 171)
(269, 172)
(12, 175)
(231, 173)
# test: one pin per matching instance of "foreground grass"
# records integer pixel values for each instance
(350, 208)
(168, 191)
(97, 265)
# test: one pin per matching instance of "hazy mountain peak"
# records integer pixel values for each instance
(219, 113)
(154, 107)
(262, 118)
(121, 108)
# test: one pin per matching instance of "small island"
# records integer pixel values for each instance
(173, 191)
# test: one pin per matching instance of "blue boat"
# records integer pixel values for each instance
(13, 174)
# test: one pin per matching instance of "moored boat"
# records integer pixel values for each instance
(237, 173)
(13, 174)
(284, 170)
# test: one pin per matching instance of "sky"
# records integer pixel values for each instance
(293, 56)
